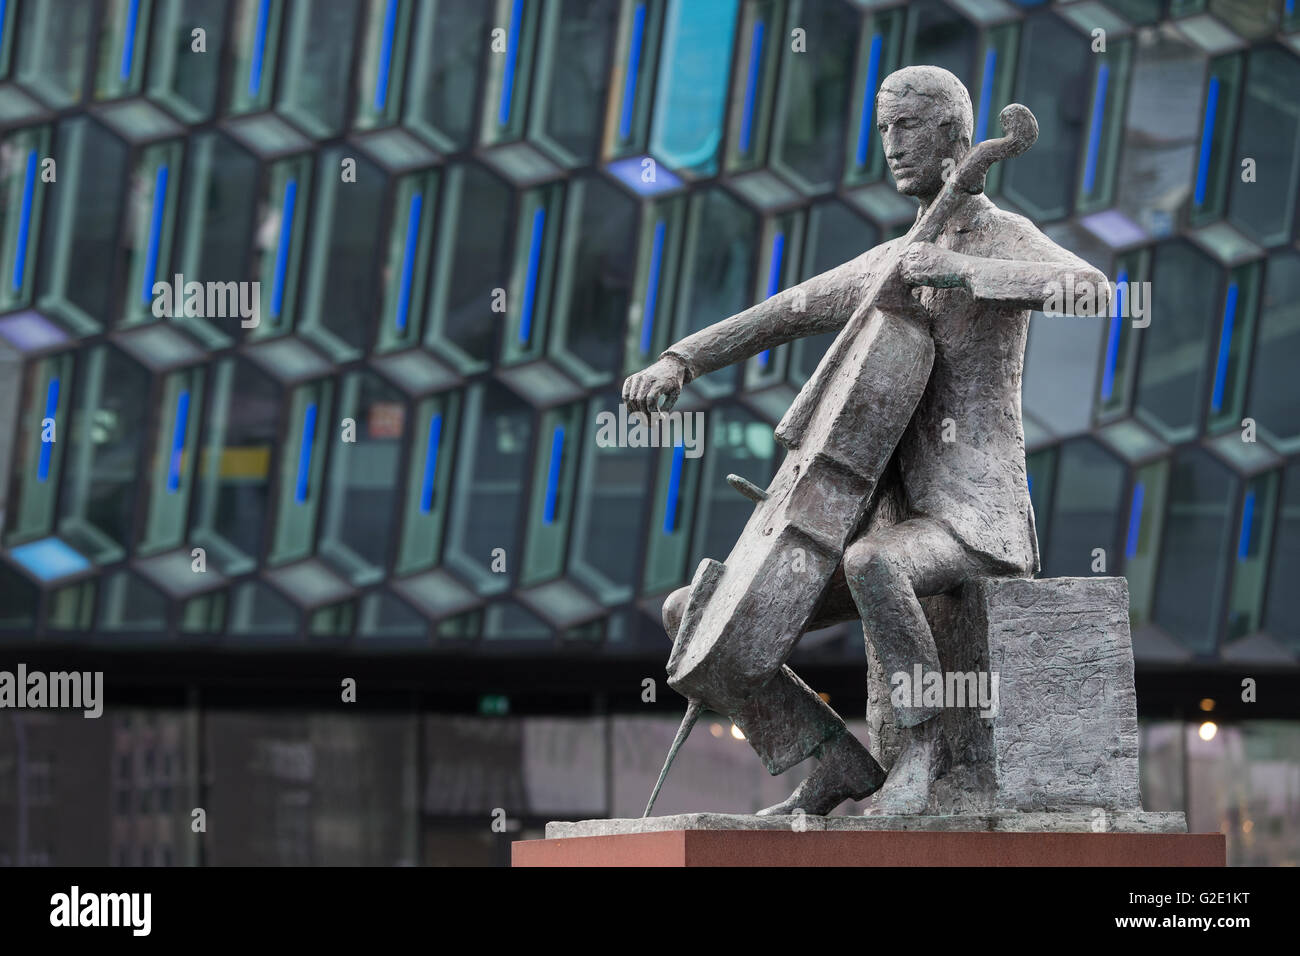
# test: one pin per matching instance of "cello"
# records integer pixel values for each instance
(744, 615)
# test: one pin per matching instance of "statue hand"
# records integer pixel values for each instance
(924, 263)
(663, 380)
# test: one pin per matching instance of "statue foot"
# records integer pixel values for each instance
(906, 791)
(846, 771)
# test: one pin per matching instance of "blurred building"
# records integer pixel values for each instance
(466, 222)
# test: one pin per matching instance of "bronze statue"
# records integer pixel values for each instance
(905, 474)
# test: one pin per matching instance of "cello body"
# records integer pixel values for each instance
(760, 600)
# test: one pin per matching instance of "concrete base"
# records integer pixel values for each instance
(1000, 821)
(874, 848)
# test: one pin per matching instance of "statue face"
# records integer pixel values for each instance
(916, 142)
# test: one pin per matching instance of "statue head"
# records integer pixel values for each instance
(924, 116)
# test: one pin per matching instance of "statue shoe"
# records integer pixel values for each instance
(846, 771)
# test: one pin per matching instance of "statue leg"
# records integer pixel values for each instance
(786, 723)
(888, 571)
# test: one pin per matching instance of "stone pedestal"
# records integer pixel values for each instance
(863, 847)
(1064, 733)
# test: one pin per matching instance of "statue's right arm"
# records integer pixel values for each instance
(821, 304)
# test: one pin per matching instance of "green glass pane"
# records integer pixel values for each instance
(174, 461)
(22, 191)
(184, 65)
(255, 44)
(1254, 543)
(1277, 352)
(1187, 298)
(492, 467)
(444, 76)
(317, 61)
(1264, 209)
(42, 436)
(1055, 80)
(311, 426)
(593, 292)
(240, 436)
(550, 507)
(405, 269)
(571, 77)
(1085, 512)
(357, 527)
(102, 476)
(691, 98)
(123, 34)
(812, 101)
(1199, 536)
(1144, 524)
(56, 41)
(383, 61)
(428, 482)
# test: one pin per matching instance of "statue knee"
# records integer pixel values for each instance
(674, 608)
(871, 567)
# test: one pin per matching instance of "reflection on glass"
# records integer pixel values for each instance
(1086, 501)
(490, 479)
(99, 489)
(1186, 299)
(1197, 541)
(691, 99)
(364, 476)
(235, 465)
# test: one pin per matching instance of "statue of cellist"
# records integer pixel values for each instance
(955, 501)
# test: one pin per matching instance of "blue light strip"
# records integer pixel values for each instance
(553, 475)
(1094, 134)
(986, 93)
(25, 222)
(1134, 520)
(178, 441)
(304, 452)
(47, 447)
(128, 41)
(633, 68)
(385, 55)
(282, 252)
(430, 463)
(674, 489)
(512, 53)
(408, 260)
(652, 289)
(534, 263)
(1247, 524)
(155, 233)
(773, 283)
(1225, 346)
(1207, 138)
(869, 98)
(1112, 340)
(259, 48)
(751, 86)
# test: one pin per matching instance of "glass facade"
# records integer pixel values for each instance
(310, 309)
(345, 285)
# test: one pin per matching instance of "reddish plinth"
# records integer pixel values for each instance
(874, 848)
